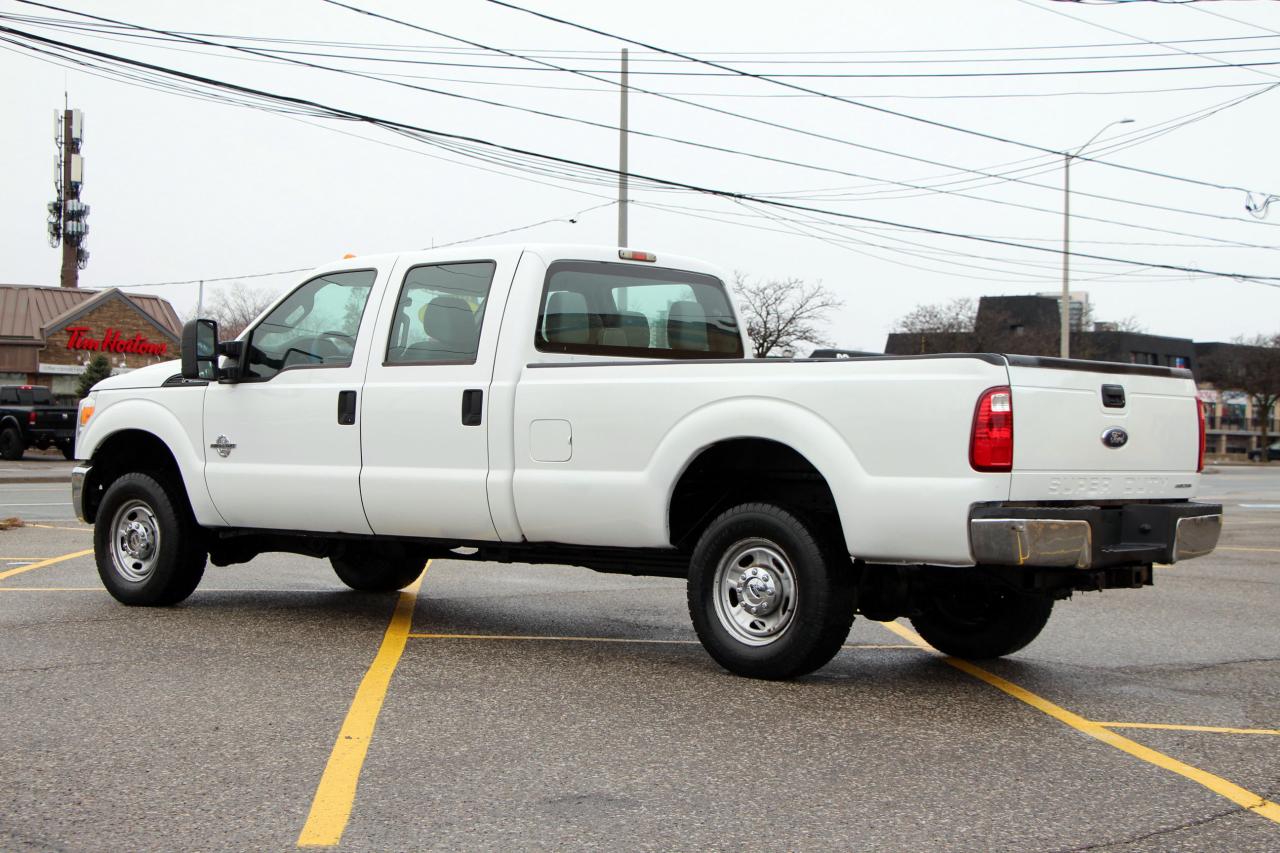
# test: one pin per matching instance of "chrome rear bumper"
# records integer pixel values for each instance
(1088, 537)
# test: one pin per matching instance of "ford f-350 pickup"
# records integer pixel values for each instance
(593, 406)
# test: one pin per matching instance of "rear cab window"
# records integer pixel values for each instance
(440, 313)
(621, 310)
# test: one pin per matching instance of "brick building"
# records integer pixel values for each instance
(49, 334)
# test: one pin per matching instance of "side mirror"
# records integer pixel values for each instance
(200, 350)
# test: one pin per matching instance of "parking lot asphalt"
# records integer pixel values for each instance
(552, 707)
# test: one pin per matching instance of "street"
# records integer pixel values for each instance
(550, 708)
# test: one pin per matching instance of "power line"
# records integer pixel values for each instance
(571, 218)
(851, 102)
(507, 164)
(400, 126)
(1136, 38)
(674, 140)
(207, 280)
(802, 75)
(907, 185)
(446, 49)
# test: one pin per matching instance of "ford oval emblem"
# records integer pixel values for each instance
(1115, 437)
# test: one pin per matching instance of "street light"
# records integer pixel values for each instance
(1065, 347)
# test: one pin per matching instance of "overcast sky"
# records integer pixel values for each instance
(182, 188)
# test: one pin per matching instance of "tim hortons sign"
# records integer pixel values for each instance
(112, 341)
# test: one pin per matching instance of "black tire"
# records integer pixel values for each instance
(11, 446)
(379, 568)
(980, 620)
(155, 512)
(802, 623)
(68, 451)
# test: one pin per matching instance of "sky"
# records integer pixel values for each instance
(184, 188)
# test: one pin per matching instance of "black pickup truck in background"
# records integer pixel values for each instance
(29, 418)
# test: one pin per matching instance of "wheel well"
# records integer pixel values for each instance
(125, 452)
(743, 469)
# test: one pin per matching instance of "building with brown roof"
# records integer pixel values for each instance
(49, 334)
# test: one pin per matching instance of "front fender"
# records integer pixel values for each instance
(181, 432)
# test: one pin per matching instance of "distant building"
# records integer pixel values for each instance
(1031, 325)
(1079, 307)
(48, 334)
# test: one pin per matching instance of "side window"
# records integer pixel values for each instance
(315, 326)
(625, 310)
(439, 313)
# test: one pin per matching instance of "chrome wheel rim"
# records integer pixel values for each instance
(755, 592)
(135, 541)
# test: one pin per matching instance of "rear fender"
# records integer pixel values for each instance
(801, 429)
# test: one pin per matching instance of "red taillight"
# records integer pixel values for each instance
(991, 444)
(31, 417)
(1200, 418)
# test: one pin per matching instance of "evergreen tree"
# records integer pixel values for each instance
(99, 368)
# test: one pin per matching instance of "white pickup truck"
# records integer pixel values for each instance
(593, 406)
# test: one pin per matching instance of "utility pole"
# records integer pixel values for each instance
(1064, 348)
(67, 213)
(622, 158)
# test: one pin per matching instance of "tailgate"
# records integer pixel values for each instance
(55, 418)
(1096, 431)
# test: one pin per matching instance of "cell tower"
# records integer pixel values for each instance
(68, 215)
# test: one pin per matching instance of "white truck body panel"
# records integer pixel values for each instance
(587, 450)
(424, 473)
(1059, 419)
(636, 427)
(294, 466)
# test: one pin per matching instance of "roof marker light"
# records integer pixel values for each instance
(632, 255)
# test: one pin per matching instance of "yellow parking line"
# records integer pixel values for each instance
(517, 637)
(878, 646)
(554, 639)
(57, 527)
(5, 575)
(336, 793)
(203, 589)
(1242, 797)
(1226, 730)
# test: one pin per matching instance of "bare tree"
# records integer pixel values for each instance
(781, 313)
(1252, 367)
(956, 316)
(235, 307)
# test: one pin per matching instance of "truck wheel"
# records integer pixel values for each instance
(378, 569)
(148, 547)
(980, 621)
(11, 447)
(68, 450)
(770, 595)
